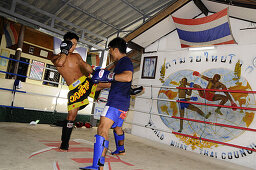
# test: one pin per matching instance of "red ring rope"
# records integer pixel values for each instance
(217, 105)
(217, 90)
(214, 141)
(217, 124)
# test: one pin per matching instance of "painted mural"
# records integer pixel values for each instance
(212, 107)
(210, 79)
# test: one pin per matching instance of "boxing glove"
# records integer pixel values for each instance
(196, 73)
(101, 75)
(94, 68)
(193, 98)
(65, 46)
(134, 91)
(87, 125)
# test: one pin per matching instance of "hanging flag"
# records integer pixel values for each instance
(207, 31)
(11, 35)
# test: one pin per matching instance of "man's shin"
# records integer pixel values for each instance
(119, 147)
(98, 156)
(66, 133)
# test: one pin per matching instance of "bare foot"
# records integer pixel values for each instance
(63, 150)
(121, 153)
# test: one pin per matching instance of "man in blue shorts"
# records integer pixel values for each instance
(118, 102)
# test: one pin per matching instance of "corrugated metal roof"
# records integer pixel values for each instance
(94, 20)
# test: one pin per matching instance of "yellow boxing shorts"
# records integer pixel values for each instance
(79, 91)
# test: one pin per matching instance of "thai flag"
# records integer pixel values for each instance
(11, 34)
(207, 31)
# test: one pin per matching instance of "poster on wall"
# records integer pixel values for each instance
(37, 69)
(149, 67)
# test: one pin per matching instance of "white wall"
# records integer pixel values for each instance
(168, 50)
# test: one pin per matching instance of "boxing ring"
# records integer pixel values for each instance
(128, 162)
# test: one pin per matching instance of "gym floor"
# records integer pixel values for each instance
(34, 147)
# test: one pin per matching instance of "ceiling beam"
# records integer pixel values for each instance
(60, 19)
(59, 10)
(159, 17)
(201, 6)
(135, 8)
(137, 20)
(8, 13)
(93, 16)
(241, 3)
(134, 46)
(13, 5)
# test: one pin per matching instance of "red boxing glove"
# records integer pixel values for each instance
(79, 124)
(87, 125)
(196, 73)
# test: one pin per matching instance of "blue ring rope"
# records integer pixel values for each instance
(12, 74)
(30, 77)
(27, 63)
(14, 60)
(12, 107)
(13, 90)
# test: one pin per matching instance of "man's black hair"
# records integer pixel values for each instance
(69, 36)
(118, 43)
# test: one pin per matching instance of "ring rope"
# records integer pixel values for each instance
(32, 93)
(204, 117)
(17, 107)
(150, 113)
(215, 105)
(198, 103)
(151, 107)
(175, 117)
(216, 90)
(29, 77)
(190, 136)
(27, 63)
(198, 121)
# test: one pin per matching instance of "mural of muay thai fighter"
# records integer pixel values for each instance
(182, 97)
(214, 83)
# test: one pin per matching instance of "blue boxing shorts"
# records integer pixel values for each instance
(114, 114)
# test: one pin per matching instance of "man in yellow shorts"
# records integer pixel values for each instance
(75, 72)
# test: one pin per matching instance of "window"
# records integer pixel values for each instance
(22, 69)
(36, 70)
(52, 75)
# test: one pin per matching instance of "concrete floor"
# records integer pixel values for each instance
(26, 147)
